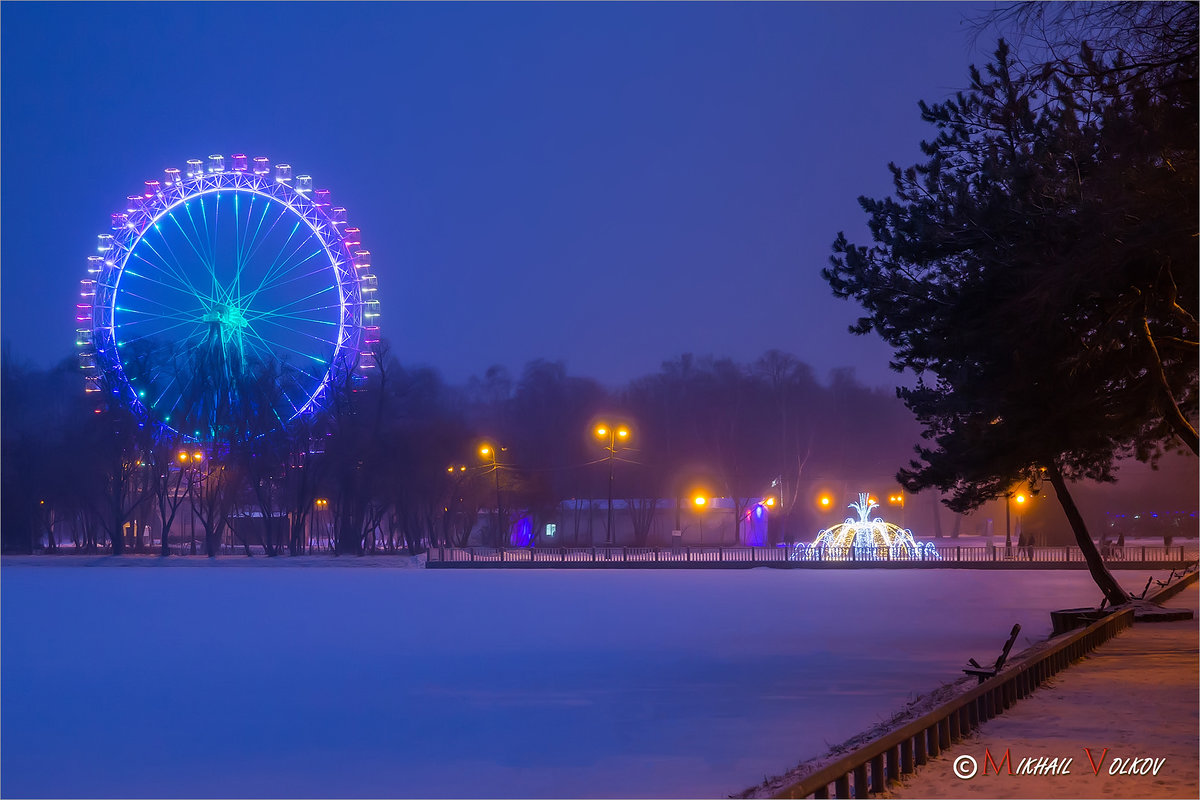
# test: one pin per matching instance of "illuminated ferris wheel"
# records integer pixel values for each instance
(221, 283)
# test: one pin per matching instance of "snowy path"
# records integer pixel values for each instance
(1135, 696)
(358, 682)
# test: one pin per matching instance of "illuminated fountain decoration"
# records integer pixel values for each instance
(864, 539)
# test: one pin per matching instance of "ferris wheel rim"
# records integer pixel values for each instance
(100, 342)
(334, 263)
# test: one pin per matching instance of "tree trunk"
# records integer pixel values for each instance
(1100, 573)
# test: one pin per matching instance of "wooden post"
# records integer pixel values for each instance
(919, 754)
(934, 744)
(893, 765)
(906, 757)
(861, 789)
(841, 786)
(877, 782)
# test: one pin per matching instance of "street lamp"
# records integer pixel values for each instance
(897, 499)
(189, 460)
(1020, 498)
(700, 502)
(614, 434)
(488, 453)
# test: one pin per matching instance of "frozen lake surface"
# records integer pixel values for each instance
(352, 682)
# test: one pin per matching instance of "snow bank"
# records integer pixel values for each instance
(1129, 708)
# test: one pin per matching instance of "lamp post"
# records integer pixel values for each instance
(457, 473)
(775, 504)
(488, 452)
(700, 502)
(614, 434)
(897, 499)
(1020, 498)
(190, 461)
(319, 505)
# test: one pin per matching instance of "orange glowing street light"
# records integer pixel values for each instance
(614, 434)
(824, 501)
(488, 452)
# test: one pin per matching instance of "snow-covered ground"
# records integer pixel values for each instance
(351, 682)
(1079, 715)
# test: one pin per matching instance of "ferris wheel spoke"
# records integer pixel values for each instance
(163, 393)
(291, 402)
(188, 239)
(151, 316)
(264, 354)
(275, 285)
(173, 270)
(241, 240)
(275, 265)
(288, 305)
(208, 239)
(199, 241)
(261, 240)
(173, 312)
(177, 274)
(238, 235)
(297, 316)
(284, 268)
(275, 343)
(180, 272)
(174, 287)
(196, 328)
(281, 345)
(299, 332)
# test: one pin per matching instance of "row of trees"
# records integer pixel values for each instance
(394, 460)
(1038, 273)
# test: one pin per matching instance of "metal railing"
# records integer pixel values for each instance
(874, 766)
(930, 556)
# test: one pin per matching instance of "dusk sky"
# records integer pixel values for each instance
(609, 185)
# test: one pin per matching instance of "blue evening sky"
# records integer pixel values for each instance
(609, 184)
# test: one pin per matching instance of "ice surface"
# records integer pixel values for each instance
(350, 682)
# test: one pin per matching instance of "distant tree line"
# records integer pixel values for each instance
(393, 464)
